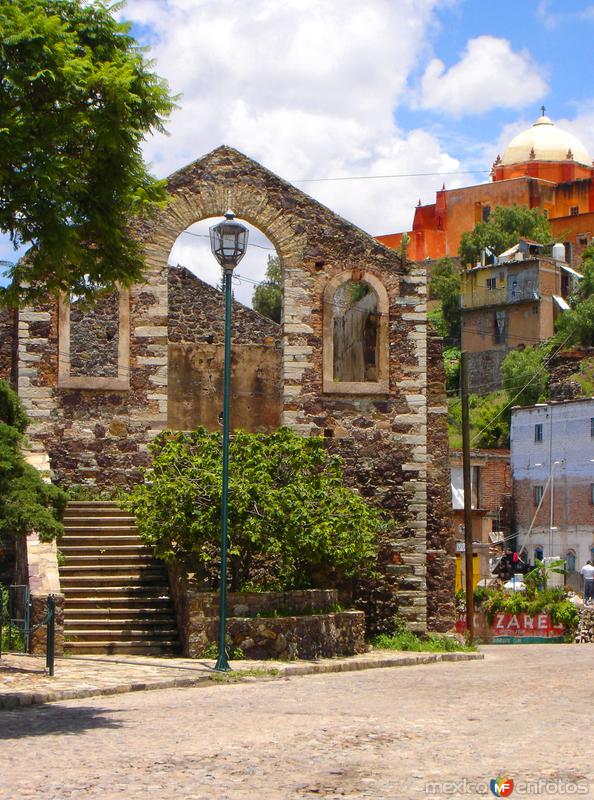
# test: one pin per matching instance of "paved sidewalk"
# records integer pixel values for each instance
(24, 682)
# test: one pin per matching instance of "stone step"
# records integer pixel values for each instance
(106, 614)
(80, 621)
(74, 603)
(92, 504)
(118, 587)
(94, 540)
(116, 593)
(107, 647)
(136, 567)
(120, 634)
(118, 583)
(98, 522)
(104, 558)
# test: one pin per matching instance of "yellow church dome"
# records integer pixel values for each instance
(544, 141)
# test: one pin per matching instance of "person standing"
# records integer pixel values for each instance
(587, 572)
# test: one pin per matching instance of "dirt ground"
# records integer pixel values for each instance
(438, 730)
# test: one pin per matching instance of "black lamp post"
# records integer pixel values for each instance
(228, 242)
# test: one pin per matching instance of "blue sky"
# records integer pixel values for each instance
(327, 88)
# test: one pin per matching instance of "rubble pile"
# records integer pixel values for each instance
(585, 631)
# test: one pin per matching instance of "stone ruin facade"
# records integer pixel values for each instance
(156, 362)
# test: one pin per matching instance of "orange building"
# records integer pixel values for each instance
(543, 167)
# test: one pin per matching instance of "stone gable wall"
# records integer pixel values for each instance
(382, 433)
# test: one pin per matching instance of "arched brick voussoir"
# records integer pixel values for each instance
(300, 228)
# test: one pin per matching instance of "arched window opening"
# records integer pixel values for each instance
(538, 552)
(355, 319)
(570, 561)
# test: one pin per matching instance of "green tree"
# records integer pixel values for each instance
(506, 225)
(268, 296)
(585, 287)
(576, 326)
(444, 285)
(287, 504)
(27, 503)
(77, 98)
(524, 375)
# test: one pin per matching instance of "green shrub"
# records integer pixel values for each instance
(404, 639)
(27, 503)
(17, 641)
(287, 505)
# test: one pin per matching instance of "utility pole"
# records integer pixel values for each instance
(468, 560)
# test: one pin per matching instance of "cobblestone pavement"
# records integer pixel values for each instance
(525, 712)
(23, 678)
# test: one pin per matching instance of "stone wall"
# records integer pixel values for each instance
(8, 344)
(441, 563)
(197, 315)
(100, 436)
(253, 626)
(196, 353)
(381, 431)
(94, 336)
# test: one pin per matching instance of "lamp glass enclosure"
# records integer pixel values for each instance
(228, 241)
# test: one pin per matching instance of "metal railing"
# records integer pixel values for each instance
(17, 618)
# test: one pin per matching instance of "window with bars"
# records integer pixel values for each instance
(538, 493)
(538, 433)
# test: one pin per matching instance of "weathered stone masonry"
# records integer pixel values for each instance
(381, 429)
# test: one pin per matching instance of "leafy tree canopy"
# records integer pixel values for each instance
(444, 285)
(524, 376)
(576, 326)
(27, 503)
(268, 296)
(77, 98)
(505, 227)
(287, 505)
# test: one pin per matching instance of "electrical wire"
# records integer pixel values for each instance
(394, 175)
(526, 385)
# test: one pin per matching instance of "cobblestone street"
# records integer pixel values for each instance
(524, 712)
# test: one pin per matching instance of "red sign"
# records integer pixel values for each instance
(514, 628)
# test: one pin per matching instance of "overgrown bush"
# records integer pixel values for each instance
(288, 508)
(27, 503)
(15, 639)
(404, 639)
(489, 420)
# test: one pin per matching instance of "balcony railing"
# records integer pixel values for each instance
(481, 296)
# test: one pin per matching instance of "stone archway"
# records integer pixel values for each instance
(380, 429)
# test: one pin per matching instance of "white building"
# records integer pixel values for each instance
(552, 465)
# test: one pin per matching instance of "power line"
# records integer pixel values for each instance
(394, 175)
(509, 404)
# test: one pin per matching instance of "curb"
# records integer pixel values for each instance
(14, 700)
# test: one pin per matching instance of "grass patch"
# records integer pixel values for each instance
(405, 639)
(234, 676)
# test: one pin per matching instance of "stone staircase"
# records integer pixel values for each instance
(116, 594)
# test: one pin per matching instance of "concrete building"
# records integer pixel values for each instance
(509, 305)
(552, 465)
(544, 167)
(491, 507)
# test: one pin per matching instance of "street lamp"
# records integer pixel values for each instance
(228, 242)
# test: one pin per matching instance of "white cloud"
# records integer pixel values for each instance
(489, 75)
(306, 87)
